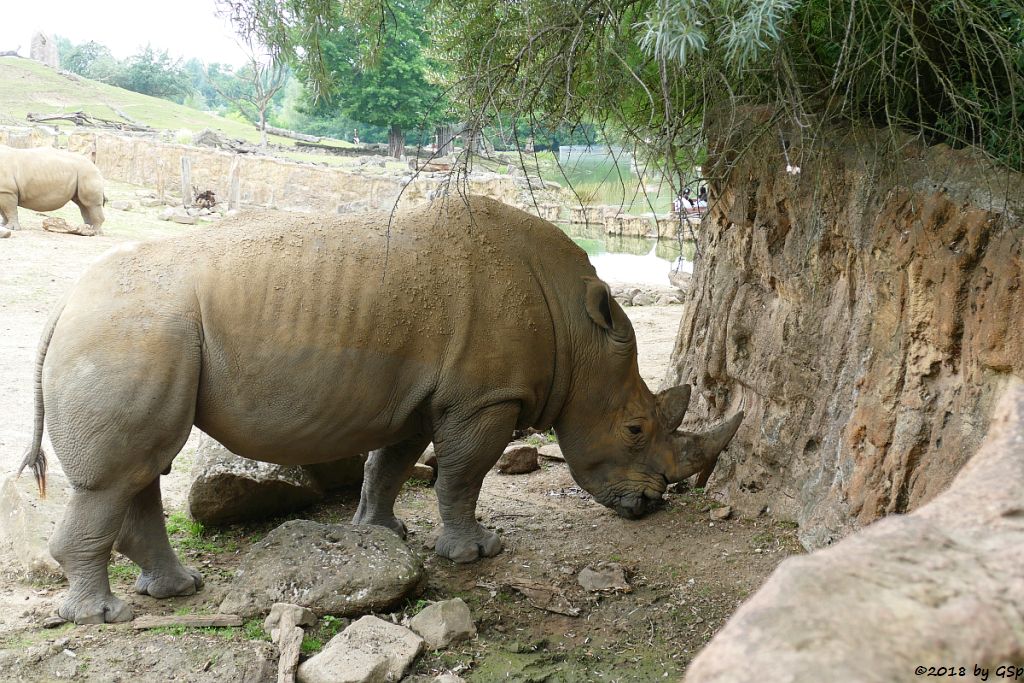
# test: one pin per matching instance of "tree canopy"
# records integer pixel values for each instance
(654, 71)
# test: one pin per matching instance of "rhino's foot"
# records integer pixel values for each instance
(390, 522)
(183, 581)
(104, 609)
(461, 546)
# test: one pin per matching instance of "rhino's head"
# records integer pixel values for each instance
(622, 443)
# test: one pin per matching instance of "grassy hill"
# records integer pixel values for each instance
(28, 86)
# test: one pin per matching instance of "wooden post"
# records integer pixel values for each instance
(186, 181)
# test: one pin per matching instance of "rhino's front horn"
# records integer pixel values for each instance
(699, 452)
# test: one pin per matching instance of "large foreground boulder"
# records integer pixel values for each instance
(339, 569)
(228, 488)
(943, 586)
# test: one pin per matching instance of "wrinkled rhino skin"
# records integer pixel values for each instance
(299, 339)
(45, 179)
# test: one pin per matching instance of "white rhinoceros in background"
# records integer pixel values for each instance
(45, 179)
(299, 339)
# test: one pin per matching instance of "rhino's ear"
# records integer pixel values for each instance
(672, 405)
(605, 311)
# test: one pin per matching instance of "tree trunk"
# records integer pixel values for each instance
(396, 141)
(445, 134)
(263, 128)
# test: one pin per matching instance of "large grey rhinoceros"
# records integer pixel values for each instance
(45, 179)
(301, 339)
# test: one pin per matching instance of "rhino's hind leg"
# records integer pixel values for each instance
(143, 539)
(82, 544)
(466, 450)
(383, 475)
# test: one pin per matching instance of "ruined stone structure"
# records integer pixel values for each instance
(867, 311)
(44, 49)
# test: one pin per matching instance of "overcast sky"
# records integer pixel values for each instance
(187, 28)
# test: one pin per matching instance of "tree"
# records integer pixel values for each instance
(89, 59)
(154, 72)
(373, 70)
(266, 73)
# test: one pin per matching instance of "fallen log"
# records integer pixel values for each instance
(80, 118)
(148, 621)
(285, 133)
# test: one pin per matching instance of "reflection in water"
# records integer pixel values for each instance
(607, 176)
(634, 260)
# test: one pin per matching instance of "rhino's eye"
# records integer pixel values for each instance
(635, 430)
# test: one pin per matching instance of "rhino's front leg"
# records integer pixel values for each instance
(466, 450)
(9, 211)
(385, 471)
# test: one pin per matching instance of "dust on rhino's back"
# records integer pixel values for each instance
(338, 321)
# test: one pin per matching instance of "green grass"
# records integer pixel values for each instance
(187, 534)
(28, 86)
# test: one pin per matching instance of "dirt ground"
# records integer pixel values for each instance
(686, 573)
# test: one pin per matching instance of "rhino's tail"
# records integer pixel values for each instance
(34, 456)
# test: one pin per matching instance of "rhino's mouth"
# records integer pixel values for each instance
(635, 506)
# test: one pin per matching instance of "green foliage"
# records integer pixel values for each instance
(253, 630)
(154, 72)
(187, 534)
(150, 72)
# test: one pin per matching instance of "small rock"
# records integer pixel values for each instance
(643, 299)
(341, 569)
(28, 521)
(444, 623)
(53, 621)
(4, 232)
(440, 678)
(231, 213)
(150, 202)
(607, 577)
(667, 300)
(518, 459)
(369, 650)
(183, 218)
(680, 280)
(723, 512)
(552, 451)
(623, 301)
(422, 472)
(167, 213)
(300, 616)
(122, 205)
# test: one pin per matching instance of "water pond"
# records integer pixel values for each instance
(633, 260)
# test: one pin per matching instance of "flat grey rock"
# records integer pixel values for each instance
(370, 650)
(339, 569)
(552, 451)
(227, 488)
(28, 521)
(606, 577)
(444, 623)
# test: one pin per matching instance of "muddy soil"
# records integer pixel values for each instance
(687, 573)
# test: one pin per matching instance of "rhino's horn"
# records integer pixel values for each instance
(699, 452)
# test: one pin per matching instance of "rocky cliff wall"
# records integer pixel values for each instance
(865, 311)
